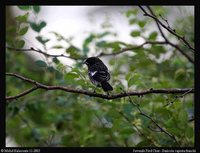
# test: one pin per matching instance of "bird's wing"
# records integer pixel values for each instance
(100, 76)
(99, 72)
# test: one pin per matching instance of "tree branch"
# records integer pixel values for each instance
(176, 97)
(46, 54)
(166, 27)
(131, 48)
(159, 24)
(82, 58)
(166, 39)
(22, 93)
(152, 120)
(38, 85)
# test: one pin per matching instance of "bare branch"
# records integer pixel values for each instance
(90, 93)
(46, 54)
(166, 27)
(190, 120)
(128, 120)
(152, 120)
(167, 40)
(159, 24)
(101, 54)
(135, 126)
(131, 48)
(155, 130)
(176, 97)
(161, 129)
(22, 93)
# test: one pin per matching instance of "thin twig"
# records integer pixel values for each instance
(135, 126)
(128, 120)
(23, 93)
(166, 27)
(190, 120)
(46, 54)
(132, 48)
(100, 55)
(147, 116)
(166, 39)
(176, 97)
(155, 130)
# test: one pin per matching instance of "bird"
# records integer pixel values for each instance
(98, 73)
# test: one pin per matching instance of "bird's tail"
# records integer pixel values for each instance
(106, 86)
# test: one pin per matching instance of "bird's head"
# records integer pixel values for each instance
(91, 61)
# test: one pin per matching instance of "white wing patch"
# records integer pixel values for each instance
(93, 73)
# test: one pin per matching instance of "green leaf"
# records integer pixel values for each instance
(142, 23)
(9, 40)
(42, 40)
(36, 9)
(55, 60)
(85, 50)
(11, 29)
(132, 21)
(57, 47)
(101, 43)
(67, 139)
(128, 76)
(38, 27)
(134, 79)
(174, 131)
(23, 31)
(189, 132)
(126, 132)
(73, 51)
(180, 74)
(103, 34)
(128, 13)
(87, 41)
(157, 50)
(20, 44)
(159, 10)
(24, 8)
(153, 35)
(170, 122)
(59, 75)
(127, 108)
(71, 76)
(143, 143)
(112, 61)
(183, 116)
(114, 45)
(41, 63)
(22, 18)
(131, 81)
(50, 69)
(36, 134)
(135, 33)
(15, 110)
(131, 12)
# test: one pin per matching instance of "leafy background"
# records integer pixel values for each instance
(57, 118)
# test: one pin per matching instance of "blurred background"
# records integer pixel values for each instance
(55, 118)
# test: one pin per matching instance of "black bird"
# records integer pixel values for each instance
(98, 73)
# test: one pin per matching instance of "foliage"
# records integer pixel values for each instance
(57, 118)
